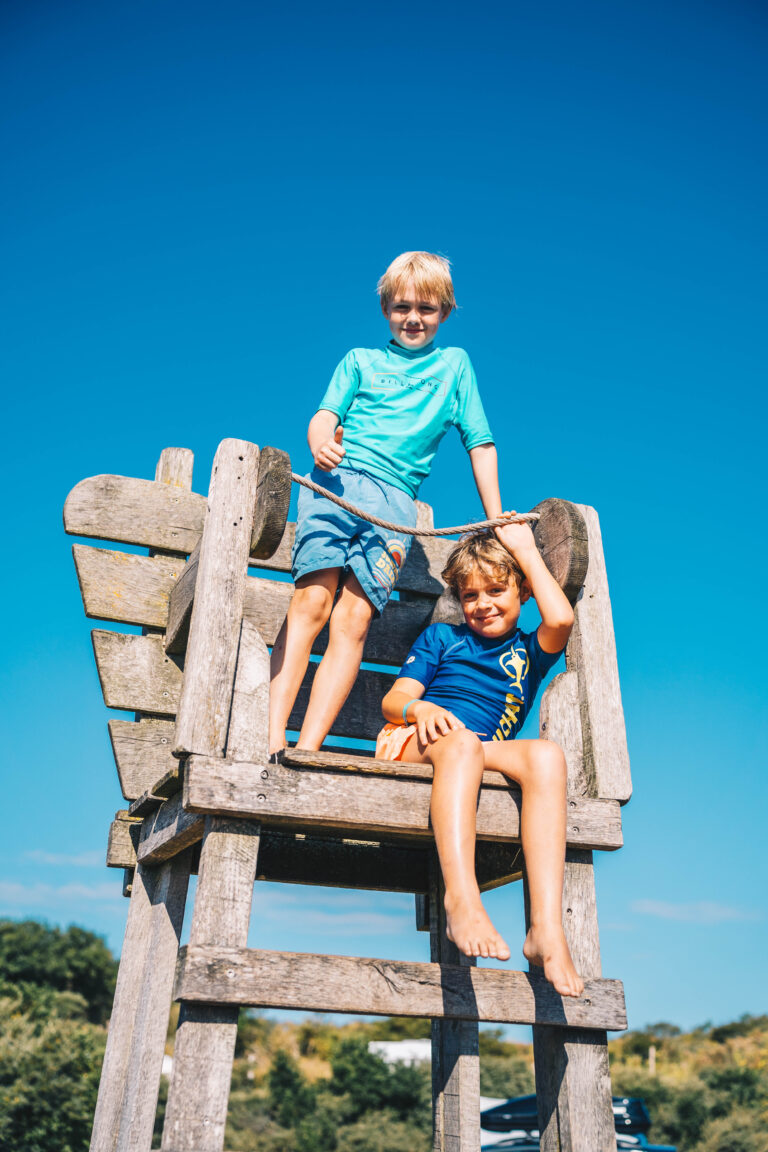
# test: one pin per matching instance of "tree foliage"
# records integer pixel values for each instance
(73, 960)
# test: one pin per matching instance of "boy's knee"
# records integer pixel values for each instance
(463, 742)
(312, 604)
(353, 615)
(549, 760)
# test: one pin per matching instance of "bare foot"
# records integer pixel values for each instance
(547, 948)
(471, 930)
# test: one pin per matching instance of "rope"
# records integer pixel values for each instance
(520, 518)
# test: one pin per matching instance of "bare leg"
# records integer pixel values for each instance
(338, 669)
(308, 612)
(539, 768)
(458, 770)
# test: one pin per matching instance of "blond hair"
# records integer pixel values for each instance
(431, 276)
(480, 550)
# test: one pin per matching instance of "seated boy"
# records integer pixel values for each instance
(460, 699)
(373, 440)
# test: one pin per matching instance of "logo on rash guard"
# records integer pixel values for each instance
(515, 663)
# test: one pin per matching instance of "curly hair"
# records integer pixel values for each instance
(483, 551)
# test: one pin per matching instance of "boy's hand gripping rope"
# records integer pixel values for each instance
(520, 518)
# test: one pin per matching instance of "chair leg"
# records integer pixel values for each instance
(455, 1047)
(573, 1082)
(196, 1112)
(130, 1078)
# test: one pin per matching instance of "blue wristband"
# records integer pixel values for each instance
(407, 706)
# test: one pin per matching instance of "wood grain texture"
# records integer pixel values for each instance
(124, 587)
(137, 675)
(130, 589)
(205, 1039)
(247, 737)
(368, 765)
(561, 537)
(179, 605)
(455, 1042)
(372, 804)
(146, 512)
(129, 1084)
(124, 832)
(273, 497)
(560, 721)
(142, 753)
(175, 467)
(572, 1073)
(145, 1060)
(156, 515)
(593, 650)
(224, 975)
(168, 831)
(209, 667)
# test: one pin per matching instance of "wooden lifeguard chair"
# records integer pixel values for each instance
(206, 799)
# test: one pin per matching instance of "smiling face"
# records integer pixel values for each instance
(413, 320)
(491, 603)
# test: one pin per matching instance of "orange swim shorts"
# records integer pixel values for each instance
(392, 739)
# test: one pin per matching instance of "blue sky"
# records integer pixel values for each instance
(197, 203)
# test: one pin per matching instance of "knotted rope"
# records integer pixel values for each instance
(520, 518)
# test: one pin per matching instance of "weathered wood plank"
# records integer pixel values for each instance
(145, 1061)
(124, 832)
(375, 804)
(156, 515)
(247, 737)
(593, 651)
(572, 1074)
(137, 675)
(168, 831)
(225, 975)
(273, 497)
(124, 587)
(175, 467)
(209, 669)
(205, 1039)
(561, 537)
(180, 601)
(455, 1043)
(168, 785)
(560, 721)
(131, 589)
(142, 753)
(349, 762)
(146, 512)
(129, 1082)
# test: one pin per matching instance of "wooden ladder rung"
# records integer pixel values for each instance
(260, 978)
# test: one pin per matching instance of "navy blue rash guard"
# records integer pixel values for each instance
(489, 684)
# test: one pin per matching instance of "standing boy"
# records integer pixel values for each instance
(373, 440)
(460, 700)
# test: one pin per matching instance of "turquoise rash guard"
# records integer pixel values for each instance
(396, 405)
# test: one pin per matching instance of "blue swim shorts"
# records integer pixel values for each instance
(329, 537)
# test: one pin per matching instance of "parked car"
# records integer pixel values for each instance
(530, 1143)
(519, 1117)
(630, 1115)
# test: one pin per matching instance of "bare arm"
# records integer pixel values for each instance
(324, 437)
(485, 469)
(431, 720)
(556, 612)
